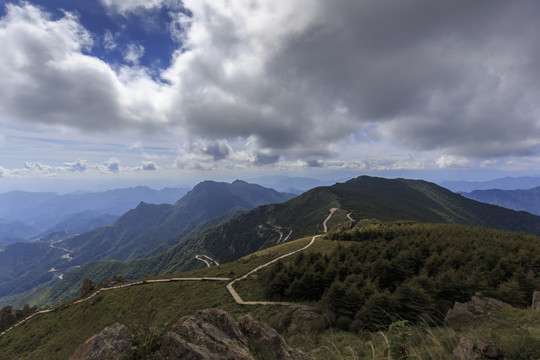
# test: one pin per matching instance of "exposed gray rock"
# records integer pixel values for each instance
(489, 350)
(210, 334)
(485, 349)
(536, 300)
(466, 350)
(300, 319)
(261, 336)
(109, 344)
(478, 305)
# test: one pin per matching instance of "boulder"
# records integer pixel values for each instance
(478, 306)
(466, 350)
(536, 300)
(489, 350)
(300, 319)
(261, 336)
(485, 349)
(210, 334)
(111, 343)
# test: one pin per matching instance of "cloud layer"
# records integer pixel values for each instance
(267, 81)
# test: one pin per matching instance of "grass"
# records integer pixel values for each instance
(153, 306)
(56, 335)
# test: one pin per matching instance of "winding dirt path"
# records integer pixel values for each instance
(206, 259)
(237, 297)
(230, 288)
(142, 282)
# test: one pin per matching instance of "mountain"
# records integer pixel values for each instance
(82, 222)
(40, 211)
(142, 229)
(506, 183)
(149, 228)
(24, 266)
(16, 231)
(265, 226)
(368, 276)
(295, 185)
(520, 200)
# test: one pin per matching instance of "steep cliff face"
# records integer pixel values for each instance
(210, 334)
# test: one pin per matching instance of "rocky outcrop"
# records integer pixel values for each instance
(209, 334)
(478, 306)
(299, 320)
(109, 344)
(483, 349)
(214, 334)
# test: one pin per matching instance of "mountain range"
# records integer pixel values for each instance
(138, 232)
(28, 215)
(519, 200)
(265, 226)
(505, 183)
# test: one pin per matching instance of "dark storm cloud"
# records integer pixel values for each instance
(457, 76)
(296, 79)
(265, 159)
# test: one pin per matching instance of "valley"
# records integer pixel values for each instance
(241, 263)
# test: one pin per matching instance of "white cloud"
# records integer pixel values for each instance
(112, 165)
(77, 166)
(133, 53)
(109, 41)
(449, 161)
(149, 166)
(127, 6)
(268, 83)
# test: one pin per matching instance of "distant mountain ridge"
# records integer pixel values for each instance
(519, 200)
(505, 183)
(265, 226)
(44, 212)
(148, 227)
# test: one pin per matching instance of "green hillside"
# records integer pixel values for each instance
(415, 256)
(148, 226)
(363, 198)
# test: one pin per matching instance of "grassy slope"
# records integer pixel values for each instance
(56, 335)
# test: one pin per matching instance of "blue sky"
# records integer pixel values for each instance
(110, 93)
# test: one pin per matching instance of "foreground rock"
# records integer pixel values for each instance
(483, 349)
(109, 344)
(210, 334)
(479, 305)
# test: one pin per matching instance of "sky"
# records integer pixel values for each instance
(107, 93)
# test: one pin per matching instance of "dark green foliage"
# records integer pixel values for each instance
(407, 270)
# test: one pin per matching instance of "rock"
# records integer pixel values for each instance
(536, 300)
(478, 305)
(466, 350)
(111, 343)
(212, 334)
(209, 334)
(264, 337)
(300, 319)
(489, 350)
(485, 349)
(458, 313)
